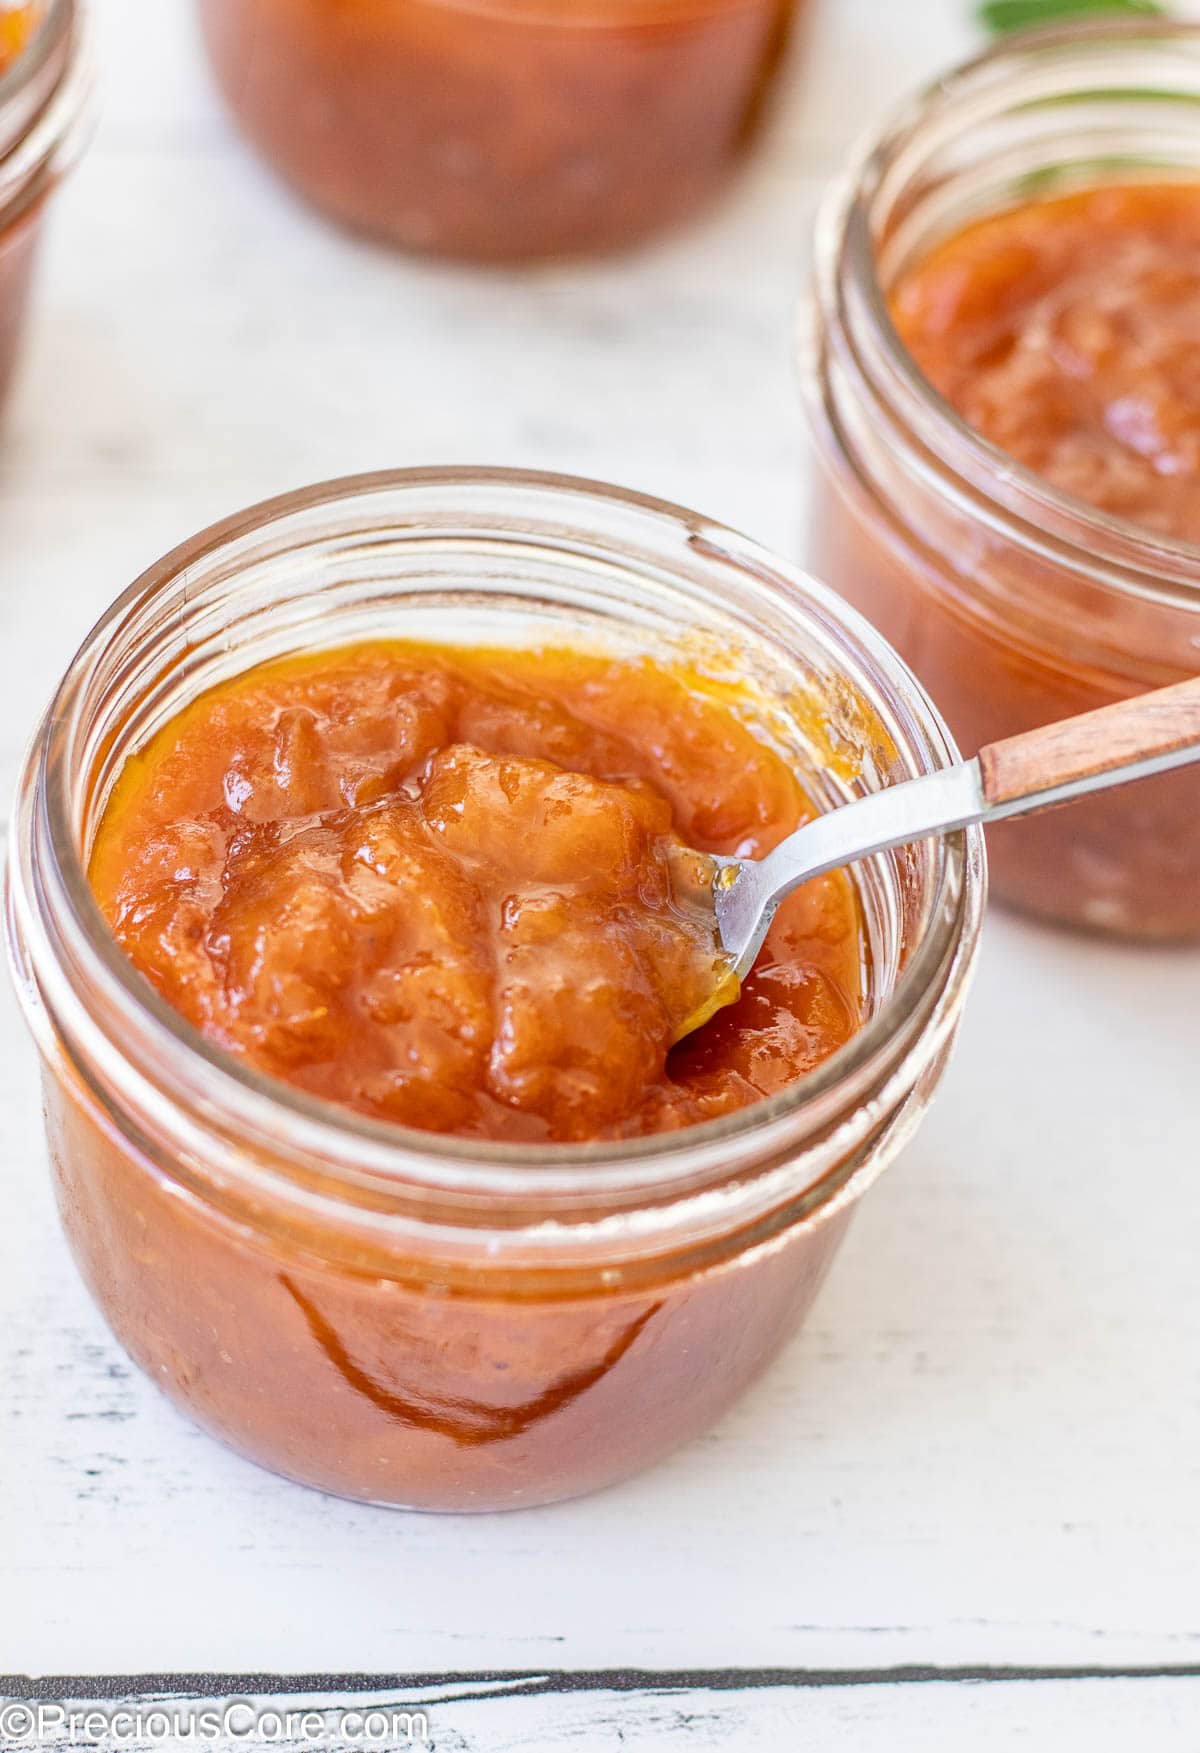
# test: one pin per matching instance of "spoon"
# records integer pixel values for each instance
(1148, 734)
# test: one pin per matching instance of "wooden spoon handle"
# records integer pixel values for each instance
(1149, 733)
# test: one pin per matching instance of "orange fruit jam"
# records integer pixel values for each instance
(1067, 332)
(452, 889)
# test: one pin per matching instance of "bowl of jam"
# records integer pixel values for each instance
(342, 908)
(1002, 362)
(499, 130)
(45, 110)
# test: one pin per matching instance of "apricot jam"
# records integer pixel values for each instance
(453, 889)
(1067, 331)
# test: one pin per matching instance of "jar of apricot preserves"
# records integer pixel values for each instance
(499, 129)
(433, 1284)
(45, 106)
(1002, 363)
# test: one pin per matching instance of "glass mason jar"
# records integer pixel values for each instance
(499, 129)
(1015, 603)
(45, 109)
(418, 1319)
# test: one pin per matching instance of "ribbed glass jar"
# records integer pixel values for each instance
(425, 1320)
(1016, 604)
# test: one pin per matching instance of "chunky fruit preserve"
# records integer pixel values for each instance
(458, 890)
(1067, 331)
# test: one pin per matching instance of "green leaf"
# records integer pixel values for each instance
(1000, 16)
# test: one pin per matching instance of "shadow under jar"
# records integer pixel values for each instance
(1017, 602)
(434, 1321)
(45, 108)
(499, 129)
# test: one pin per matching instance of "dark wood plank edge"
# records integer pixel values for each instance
(69, 1688)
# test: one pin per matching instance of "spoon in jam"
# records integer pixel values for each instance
(1134, 739)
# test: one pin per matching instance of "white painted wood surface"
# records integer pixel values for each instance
(985, 1448)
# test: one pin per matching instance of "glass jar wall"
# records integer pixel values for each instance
(425, 1320)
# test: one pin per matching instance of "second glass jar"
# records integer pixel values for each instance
(1016, 604)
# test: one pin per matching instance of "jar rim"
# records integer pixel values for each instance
(1138, 561)
(931, 979)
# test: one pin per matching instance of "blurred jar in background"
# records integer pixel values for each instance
(1041, 561)
(45, 90)
(499, 129)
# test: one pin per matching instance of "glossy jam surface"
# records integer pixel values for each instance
(499, 129)
(1067, 332)
(450, 889)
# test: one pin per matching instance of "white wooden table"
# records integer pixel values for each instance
(964, 1507)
